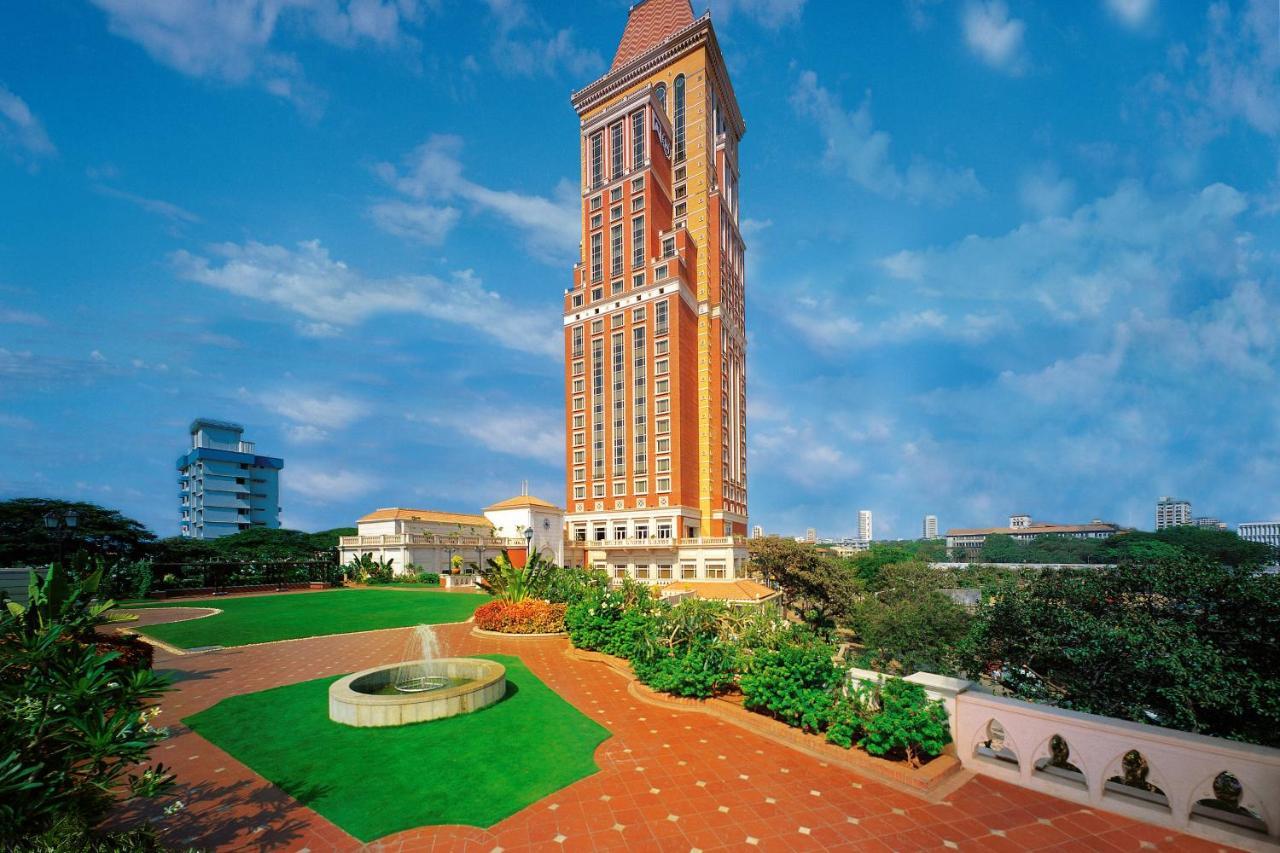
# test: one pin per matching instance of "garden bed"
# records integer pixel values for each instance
(189, 592)
(507, 635)
(925, 779)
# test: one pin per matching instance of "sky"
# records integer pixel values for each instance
(1003, 256)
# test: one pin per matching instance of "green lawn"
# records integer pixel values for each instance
(266, 618)
(473, 769)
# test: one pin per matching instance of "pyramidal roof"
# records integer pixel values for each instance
(650, 23)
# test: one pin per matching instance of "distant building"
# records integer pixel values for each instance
(811, 535)
(930, 527)
(224, 486)
(1023, 529)
(864, 525)
(1265, 532)
(1171, 512)
(757, 532)
(850, 547)
(1209, 523)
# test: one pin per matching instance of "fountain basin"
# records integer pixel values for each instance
(361, 699)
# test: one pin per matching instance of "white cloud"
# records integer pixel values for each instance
(525, 432)
(21, 318)
(1128, 246)
(21, 130)
(432, 175)
(527, 46)
(905, 265)
(331, 295)
(421, 223)
(993, 36)
(827, 325)
(771, 14)
(856, 147)
(1132, 13)
(1044, 192)
(159, 207)
(232, 40)
(316, 410)
(323, 484)
(1241, 65)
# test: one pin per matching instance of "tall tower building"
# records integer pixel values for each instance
(929, 529)
(654, 325)
(224, 486)
(1171, 512)
(864, 525)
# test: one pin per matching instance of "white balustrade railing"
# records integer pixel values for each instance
(441, 540)
(1172, 775)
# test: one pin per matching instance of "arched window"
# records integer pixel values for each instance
(660, 92)
(677, 117)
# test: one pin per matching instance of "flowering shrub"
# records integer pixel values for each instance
(530, 616)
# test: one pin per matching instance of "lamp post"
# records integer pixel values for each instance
(60, 526)
(528, 544)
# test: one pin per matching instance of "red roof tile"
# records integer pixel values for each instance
(650, 23)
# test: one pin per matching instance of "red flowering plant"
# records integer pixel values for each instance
(530, 616)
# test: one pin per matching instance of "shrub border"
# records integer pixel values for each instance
(930, 780)
(503, 635)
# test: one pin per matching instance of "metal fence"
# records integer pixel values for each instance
(225, 575)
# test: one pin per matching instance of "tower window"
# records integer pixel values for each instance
(615, 151)
(678, 117)
(637, 139)
(597, 159)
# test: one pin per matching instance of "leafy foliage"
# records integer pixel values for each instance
(1185, 642)
(75, 724)
(821, 587)
(365, 569)
(908, 723)
(795, 682)
(850, 713)
(907, 624)
(529, 616)
(24, 540)
(254, 544)
(508, 582)
(700, 669)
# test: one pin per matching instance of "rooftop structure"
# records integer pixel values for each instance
(224, 486)
(1023, 529)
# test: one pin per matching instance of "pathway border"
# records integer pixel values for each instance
(932, 781)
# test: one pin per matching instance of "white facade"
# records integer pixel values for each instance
(1171, 512)
(864, 525)
(434, 541)
(757, 532)
(1266, 532)
(929, 529)
(224, 485)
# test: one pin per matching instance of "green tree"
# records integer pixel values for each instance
(908, 624)
(868, 563)
(1220, 546)
(1184, 642)
(254, 544)
(24, 540)
(817, 585)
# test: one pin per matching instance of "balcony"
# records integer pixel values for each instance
(444, 541)
(654, 542)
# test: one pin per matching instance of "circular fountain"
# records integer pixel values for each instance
(423, 686)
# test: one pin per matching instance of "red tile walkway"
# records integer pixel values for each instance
(669, 780)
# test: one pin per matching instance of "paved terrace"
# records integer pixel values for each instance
(669, 780)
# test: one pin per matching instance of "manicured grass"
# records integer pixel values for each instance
(473, 769)
(266, 618)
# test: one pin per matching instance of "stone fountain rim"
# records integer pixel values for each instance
(488, 672)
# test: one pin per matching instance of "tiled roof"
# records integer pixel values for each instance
(1037, 529)
(395, 513)
(521, 501)
(650, 23)
(733, 591)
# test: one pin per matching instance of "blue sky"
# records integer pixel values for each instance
(1003, 256)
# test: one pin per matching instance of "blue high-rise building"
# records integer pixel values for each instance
(225, 486)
